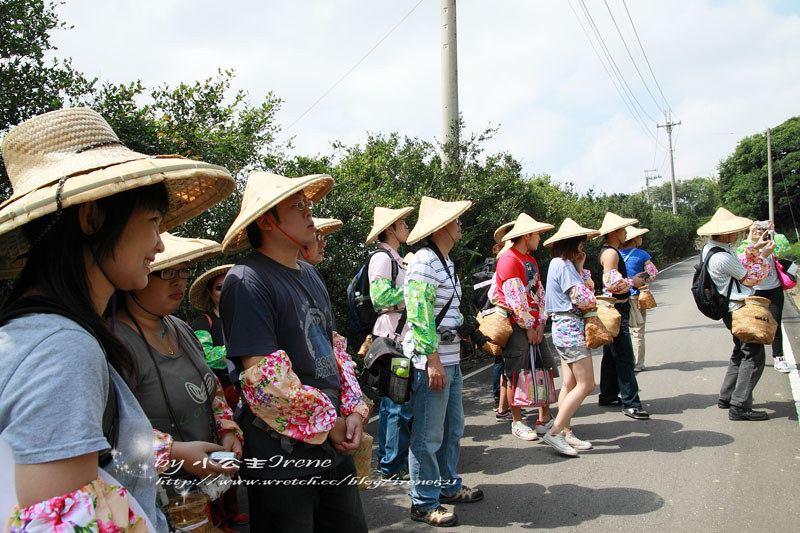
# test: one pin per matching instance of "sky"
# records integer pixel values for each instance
(533, 69)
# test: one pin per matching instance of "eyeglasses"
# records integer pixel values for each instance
(302, 205)
(217, 287)
(170, 273)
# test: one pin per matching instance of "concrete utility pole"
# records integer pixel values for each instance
(449, 74)
(647, 179)
(669, 126)
(769, 177)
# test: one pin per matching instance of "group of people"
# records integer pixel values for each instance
(111, 406)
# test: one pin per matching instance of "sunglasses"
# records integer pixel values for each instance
(169, 273)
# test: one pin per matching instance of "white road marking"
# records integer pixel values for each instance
(794, 376)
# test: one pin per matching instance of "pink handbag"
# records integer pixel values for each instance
(786, 282)
(523, 389)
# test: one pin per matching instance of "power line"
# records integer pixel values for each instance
(346, 74)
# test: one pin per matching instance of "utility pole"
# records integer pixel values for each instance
(769, 177)
(449, 75)
(647, 179)
(669, 126)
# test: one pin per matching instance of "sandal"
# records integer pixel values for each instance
(464, 495)
(439, 517)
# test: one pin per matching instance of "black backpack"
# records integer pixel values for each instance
(708, 299)
(482, 282)
(359, 305)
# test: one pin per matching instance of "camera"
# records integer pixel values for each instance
(446, 336)
(645, 276)
(769, 235)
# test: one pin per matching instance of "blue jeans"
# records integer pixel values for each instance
(435, 439)
(393, 436)
(616, 369)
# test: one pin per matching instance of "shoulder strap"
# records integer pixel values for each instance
(446, 307)
(209, 321)
(626, 256)
(711, 252)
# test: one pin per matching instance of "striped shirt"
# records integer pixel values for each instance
(724, 267)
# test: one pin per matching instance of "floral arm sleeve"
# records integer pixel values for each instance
(420, 299)
(275, 395)
(615, 283)
(742, 246)
(96, 506)
(651, 269)
(350, 400)
(223, 414)
(757, 267)
(215, 355)
(540, 302)
(582, 297)
(587, 279)
(517, 301)
(383, 296)
(162, 446)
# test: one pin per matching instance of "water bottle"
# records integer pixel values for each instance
(398, 379)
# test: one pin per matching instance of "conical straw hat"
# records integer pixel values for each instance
(179, 250)
(326, 226)
(198, 293)
(501, 231)
(434, 215)
(526, 224)
(264, 191)
(383, 217)
(613, 222)
(632, 233)
(569, 229)
(724, 222)
(76, 152)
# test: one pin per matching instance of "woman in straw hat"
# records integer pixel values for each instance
(637, 260)
(175, 387)
(618, 385)
(303, 414)
(570, 292)
(316, 252)
(737, 277)
(433, 295)
(84, 219)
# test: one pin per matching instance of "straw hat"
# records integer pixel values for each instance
(501, 231)
(198, 292)
(383, 217)
(434, 215)
(724, 222)
(524, 225)
(264, 191)
(74, 156)
(613, 222)
(632, 233)
(569, 229)
(179, 250)
(506, 246)
(326, 226)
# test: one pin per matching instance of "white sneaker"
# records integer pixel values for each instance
(521, 430)
(541, 429)
(781, 366)
(560, 445)
(575, 442)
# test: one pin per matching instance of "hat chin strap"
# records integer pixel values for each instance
(160, 317)
(306, 253)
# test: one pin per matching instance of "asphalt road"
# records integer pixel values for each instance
(687, 469)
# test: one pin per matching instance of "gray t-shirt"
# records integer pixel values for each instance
(53, 391)
(561, 277)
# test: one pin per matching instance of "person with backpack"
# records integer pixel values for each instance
(386, 278)
(84, 218)
(734, 278)
(637, 260)
(433, 297)
(618, 385)
(302, 413)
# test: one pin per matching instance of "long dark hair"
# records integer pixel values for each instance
(56, 267)
(568, 248)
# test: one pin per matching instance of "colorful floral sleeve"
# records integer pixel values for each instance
(275, 395)
(582, 297)
(420, 299)
(350, 400)
(757, 267)
(743, 245)
(384, 296)
(781, 245)
(95, 507)
(517, 301)
(223, 414)
(587, 279)
(162, 446)
(539, 303)
(615, 283)
(215, 355)
(651, 269)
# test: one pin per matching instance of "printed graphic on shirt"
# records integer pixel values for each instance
(200, 394)
(531, 275)
(319, 344)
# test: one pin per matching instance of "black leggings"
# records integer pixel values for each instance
(775, 297)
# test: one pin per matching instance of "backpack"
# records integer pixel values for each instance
(708, 299)
(483, 281)
(360, 310)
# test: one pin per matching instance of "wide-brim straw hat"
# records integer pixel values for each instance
(569, 229)
(524, 225)
(74, 156)
(264, 191)
(198, 292)
(632, 233)
(501, 231)
(326, 226)
(179, 250)
(434, 215)
(613, 222)
(383, 217)
(724, 222)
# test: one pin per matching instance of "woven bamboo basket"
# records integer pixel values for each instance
(753, 322)
(596, 333)
(646, 300)
(608, 315)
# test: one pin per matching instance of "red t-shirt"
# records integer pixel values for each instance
(513, 264)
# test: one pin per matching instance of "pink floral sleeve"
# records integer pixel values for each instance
(757, 267)
(275, 394)
(651, 269)
(615, 283)
(582, 297)
(350, 400)
(223, 414)
(517, 301)
(539, 302)
(162, 446)
(587, 279)
(96, 507)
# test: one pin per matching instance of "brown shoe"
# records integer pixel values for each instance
(439, 517)
(464, 495)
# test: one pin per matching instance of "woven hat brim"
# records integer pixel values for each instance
(572, 231)
(379, 226)
(506, 246)
(190, 251)
(192, 188)
(713, 227)
(423, 228)
(328, 225)
(539, 227)
(632, 233)
(198, 295)
(315, 187)
(501, 231)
